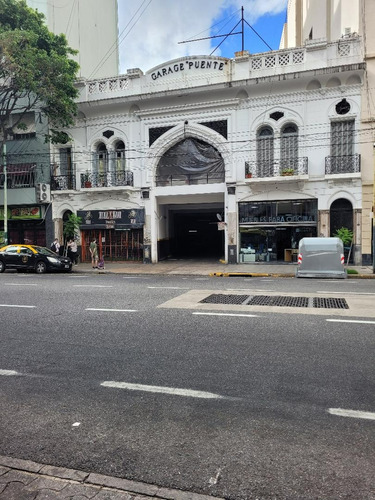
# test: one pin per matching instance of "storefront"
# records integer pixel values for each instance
(26, 224)
(271, 231)
(119, 233)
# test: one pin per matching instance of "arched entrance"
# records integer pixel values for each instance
(341, 215)
(189, 229)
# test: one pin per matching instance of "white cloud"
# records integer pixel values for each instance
(150, 32)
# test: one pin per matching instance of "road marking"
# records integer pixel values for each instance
(170, 287)
(352, 413)
(9, 373)
(164, 390)
(346, 293)
(94, 286)
(21, 284)
(248, 290)
(16, 305)
(351, 321)
(110, 310)
(226, 314)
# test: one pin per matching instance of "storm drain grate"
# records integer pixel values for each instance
(278, 300)
(220, 298)
(330, 303)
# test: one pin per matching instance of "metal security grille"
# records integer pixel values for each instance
(219, 298)
(276, 300)
(266, 300)
(330, 303)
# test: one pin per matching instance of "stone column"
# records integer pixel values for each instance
(323, 223)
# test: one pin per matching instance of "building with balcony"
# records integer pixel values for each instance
(343, 20)
(208, 157)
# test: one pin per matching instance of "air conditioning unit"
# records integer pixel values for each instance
(43, 193)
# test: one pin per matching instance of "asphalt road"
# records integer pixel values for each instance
(131, 376)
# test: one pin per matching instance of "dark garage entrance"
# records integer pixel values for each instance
(195, 235)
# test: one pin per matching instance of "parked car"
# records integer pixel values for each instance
(32, 258)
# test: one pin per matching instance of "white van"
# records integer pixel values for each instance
(321, 258)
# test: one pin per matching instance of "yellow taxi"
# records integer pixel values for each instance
(32, 258)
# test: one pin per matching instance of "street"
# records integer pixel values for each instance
(135, 377)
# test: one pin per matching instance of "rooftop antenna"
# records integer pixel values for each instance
(231, 33)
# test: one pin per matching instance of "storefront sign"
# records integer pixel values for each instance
(21, 213)
(190, 64)
(285, 212)
(279, 219)
(112, 219)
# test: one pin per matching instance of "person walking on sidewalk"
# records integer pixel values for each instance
(73, 251)
(94, 254)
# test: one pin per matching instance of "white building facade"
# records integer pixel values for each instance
(342, 19)
(221, 158)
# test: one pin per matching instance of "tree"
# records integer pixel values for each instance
(345, 235)
(71, 227)
(36, 72)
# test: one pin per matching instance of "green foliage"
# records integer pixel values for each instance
(71, 226)
(352, 271)
(36, 70)
(345, 235)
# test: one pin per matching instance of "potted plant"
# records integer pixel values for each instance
(248, 175)
(287, 171)
(86, 179)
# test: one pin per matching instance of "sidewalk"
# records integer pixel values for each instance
(209, 268)
(27, 480)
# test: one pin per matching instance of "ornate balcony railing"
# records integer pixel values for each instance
(63, 182)
(190, 179)
(349, 164)
(276, 168)
(107, 179)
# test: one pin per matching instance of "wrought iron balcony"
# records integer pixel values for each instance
(63, 182)
(276, 168)
(107, 179)
(349, 164)
(18, 176)
(190, 179)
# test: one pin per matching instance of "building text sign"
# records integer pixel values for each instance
(188, 65)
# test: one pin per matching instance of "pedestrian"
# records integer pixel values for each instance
(55, 246)
(94, 254)
(73, 251)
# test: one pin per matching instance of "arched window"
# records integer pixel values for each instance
(120, 156)
(289, 147)
(101, 159)
(265, 154)
(341, 215)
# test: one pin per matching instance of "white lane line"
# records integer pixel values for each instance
(170, 287)
(94, 286)
(351, 321)
(21, 284)
(110, 310)
(225, 314)
(248, 290)
(164, 390)
(346, 292)
(352, 413)
(16, 305)
(9, 373)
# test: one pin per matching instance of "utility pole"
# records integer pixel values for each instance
(5, 193)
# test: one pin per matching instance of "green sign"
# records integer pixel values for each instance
(21, 213)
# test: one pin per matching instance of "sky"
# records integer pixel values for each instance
(150, 30)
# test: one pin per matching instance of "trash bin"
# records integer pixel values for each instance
(321, 258)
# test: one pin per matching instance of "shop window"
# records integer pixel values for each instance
(289, 147)
(265, 152)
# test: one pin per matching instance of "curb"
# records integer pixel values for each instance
(91, 479)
